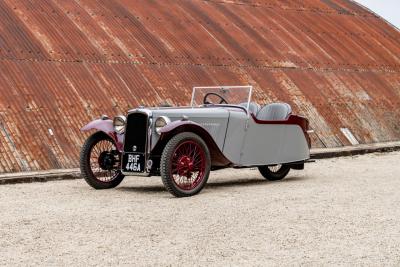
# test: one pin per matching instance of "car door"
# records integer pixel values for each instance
(235, 134)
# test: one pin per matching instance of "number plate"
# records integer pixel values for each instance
(133, 162)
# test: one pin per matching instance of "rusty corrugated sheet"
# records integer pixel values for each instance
(63, 63)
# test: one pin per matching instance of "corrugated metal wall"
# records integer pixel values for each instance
(63, 63)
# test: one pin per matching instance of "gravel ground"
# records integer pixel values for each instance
(341, 211)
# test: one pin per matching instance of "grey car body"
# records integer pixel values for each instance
(238, 137)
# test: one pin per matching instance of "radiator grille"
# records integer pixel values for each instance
(136, 133)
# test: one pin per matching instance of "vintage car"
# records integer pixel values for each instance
(221, 128)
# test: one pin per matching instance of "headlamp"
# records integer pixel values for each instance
(119, 123)
(160, 123)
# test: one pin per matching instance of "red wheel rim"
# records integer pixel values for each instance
(188, 165)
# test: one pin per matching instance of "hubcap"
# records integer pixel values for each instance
(106, 160)
(185, 164)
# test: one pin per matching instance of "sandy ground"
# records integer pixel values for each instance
(337, 212)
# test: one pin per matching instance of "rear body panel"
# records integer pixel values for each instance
(268, 144)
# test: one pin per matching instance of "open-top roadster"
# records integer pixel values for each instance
(221, 128)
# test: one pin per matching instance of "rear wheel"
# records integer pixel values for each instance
(274, 172)
(185, 165)
(99, 162)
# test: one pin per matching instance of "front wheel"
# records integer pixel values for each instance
(275, 172)
(185, 165)
(99, 162)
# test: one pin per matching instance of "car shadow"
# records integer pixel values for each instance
(214, 185)
(251, 182)
(142, 189)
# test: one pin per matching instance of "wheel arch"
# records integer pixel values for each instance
(177, 127)
(106, 127)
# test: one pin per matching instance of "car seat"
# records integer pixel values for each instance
(253, 107)
(273, 112)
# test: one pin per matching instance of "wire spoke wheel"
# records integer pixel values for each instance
(274, 172)
(185, 164)
(100, 162)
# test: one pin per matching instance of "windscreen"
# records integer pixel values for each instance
(224, 95)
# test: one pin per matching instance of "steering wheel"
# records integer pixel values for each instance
(206, 102)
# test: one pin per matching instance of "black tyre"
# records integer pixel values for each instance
(99, 162)
(275, 172)
(185, 165)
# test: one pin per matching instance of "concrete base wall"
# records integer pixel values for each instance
(64, 174)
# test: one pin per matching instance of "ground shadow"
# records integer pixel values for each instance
(250, 182)
(214, 185)
(143, 189)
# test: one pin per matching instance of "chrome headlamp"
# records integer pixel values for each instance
(119, 123)
(160, 123)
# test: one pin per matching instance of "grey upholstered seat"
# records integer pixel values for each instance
(253, 107)
(275, 111)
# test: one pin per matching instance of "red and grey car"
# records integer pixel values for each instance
(221, 128)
